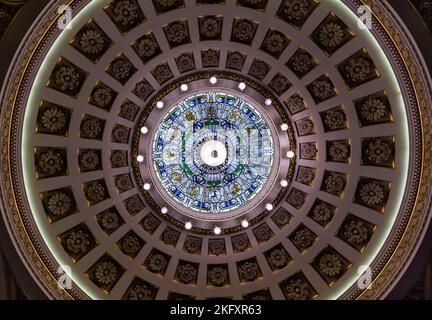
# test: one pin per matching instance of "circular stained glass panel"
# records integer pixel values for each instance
(213, 152)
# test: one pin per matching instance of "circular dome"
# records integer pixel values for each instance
(216, 149)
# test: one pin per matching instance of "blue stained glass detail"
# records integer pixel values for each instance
(188, 176)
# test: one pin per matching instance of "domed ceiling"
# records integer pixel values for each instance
(241, 149)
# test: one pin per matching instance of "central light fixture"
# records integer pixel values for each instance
(214, 153)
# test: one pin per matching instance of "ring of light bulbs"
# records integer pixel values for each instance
(243, 220)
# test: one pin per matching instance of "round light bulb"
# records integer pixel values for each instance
(144, 130)
(284, 127)
(188, 225)
(160, 104)
(164, 210)
(147, 186)
(140, 158)
(217, 230)
(184, 87)
(213, 80)
(268, 102)
(242, 86)
(290, 154)
(269, 207)
(245, 223)
(284, 183)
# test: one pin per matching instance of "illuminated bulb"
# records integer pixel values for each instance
(245, 223)
(144, 130)
(242, 86)
(268, 102)
(217, 230)
(140, 158)
(284, 127)
(284, 183)
(160, 104)
(184, 87)
(269, 207)
(147, 186)
(213, 80)
(164, 210)
(290, 154)
(188, 225)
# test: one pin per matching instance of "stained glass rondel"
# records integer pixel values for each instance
(213, 152)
